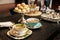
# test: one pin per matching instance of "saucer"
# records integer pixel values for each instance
(34, 26)
(21, 37)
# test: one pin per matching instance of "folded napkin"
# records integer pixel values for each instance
(6, 24)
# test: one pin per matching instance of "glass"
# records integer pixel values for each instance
(31, 2)
(58, 14)
(59, 8)
(47, 2)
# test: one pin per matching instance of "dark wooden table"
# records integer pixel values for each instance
(48, 31)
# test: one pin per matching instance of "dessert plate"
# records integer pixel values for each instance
(22, 37)
(53, 18)
(33, 14)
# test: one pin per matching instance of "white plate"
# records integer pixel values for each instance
(36, 14)
(28, 34)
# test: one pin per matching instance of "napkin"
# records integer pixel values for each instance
(6, 24)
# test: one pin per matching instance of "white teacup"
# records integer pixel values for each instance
(18, 30)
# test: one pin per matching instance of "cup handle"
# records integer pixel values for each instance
(10, 27)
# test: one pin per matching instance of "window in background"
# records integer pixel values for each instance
(6, 1)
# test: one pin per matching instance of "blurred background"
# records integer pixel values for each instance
(7, 5)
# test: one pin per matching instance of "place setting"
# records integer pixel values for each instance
(19, 31)
(22, 29)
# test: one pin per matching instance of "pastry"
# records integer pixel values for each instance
(22, 8)
(16, 9)
(18, 5)
(19, 10)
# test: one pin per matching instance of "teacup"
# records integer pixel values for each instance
(18, 30)
(31, 22)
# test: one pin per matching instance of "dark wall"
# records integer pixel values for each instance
(55, 4)
(20, 1)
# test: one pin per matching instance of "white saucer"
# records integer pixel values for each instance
(28, 34)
